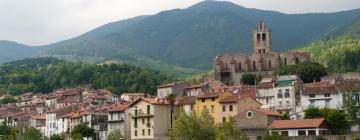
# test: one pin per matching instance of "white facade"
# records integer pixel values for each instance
(266, 97)
(285, 99)
(299, 132)
(51, 122)
(324, 100)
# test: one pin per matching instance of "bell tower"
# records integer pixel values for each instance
(261, 38)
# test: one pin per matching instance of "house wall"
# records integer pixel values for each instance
(335, 99)
(141, 106)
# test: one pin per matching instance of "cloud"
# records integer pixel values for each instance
(38, 22)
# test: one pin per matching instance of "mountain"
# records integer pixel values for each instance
(340, 53)
(186, 40)
(13, 51)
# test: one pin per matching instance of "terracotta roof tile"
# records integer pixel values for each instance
(187, 100)
(319, 88)
(118, 107)
(194, 86)
(209, 95)
(266, 85)
(266, 112)
(296, 124)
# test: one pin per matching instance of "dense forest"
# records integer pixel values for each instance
(46, 74)
(338, 54)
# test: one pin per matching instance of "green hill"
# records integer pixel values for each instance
(185, 41)
(338, 54)
(46, 74)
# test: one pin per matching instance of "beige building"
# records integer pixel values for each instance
(229, 68)
(150, 118)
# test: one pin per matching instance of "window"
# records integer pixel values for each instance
(149, 132)
(357, 98)
(280, 102)
(270, 64)
(191, 107)
(249, 114)
(254, 65)
(231, 107)
(267, 100)
(284, 133)
(263, 36)
(296, 60)
(213, 99)
(148, 124)
(135, 111)
(287, 95)
(224, 108)
(202, 100)
(258, 37)
(135, 133)
(312, 103)
(148, 109)
(311, 132)
(327, 103)
(287, 103)
(135, 123)
(212, 110)
(280, 95)
(143, 120)
(224, 119)
(327, 95)
(285, 61)
(143, 132)
(301, 132)
(312, 96)
(239, 65)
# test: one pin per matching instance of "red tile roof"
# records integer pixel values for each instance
(297, 124)
(39, 117)
(170, 84)
(187, 100)
(319, 88)
(209, 95)
(265, 85)
(232, 99)
(194, 86)
(118, 107)
(154, 101)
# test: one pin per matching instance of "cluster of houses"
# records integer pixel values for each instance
(256, 109)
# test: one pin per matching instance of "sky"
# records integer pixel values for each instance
(40, 22)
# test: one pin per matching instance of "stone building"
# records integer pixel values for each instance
(230, 67)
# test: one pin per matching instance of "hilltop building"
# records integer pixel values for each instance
(229, 68)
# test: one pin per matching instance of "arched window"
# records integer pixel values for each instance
(260, 27)
(239, 65)
(285, 62)
(296, 60)
(254, 65)
(269, 63)
(263, 36)
(258, 37)
(260, 51)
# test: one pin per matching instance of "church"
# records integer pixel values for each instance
(262, 60)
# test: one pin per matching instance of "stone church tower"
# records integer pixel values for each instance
(229, 68)
(262, 38)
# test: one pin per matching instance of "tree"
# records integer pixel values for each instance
(57, 137)
(285, 116)
(7, 100)
(83, 130)
(32, 133)
(248, 79)
(337, 120)
(7, 132)
(115, 135)
(207, 129)
(274, 136)
(186, 127)
(308, 71)
(351, 107)
(228, 131)
(171, 98)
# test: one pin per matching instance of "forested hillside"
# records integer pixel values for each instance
(45, 74)
(338, 54)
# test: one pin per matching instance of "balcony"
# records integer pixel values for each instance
(284, 107)
(116, 120)
(139, 114)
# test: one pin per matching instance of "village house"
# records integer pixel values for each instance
(321, 95)
(38, 122)
(195, 89)
(187, 103)
(287, 89)
(306, 127)
(131, 97)
(52, 119)
(265, 93)
(177, 88)
(118, 119)
(211, 102)
(254, 122)
(233, 105)
(150, 118)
